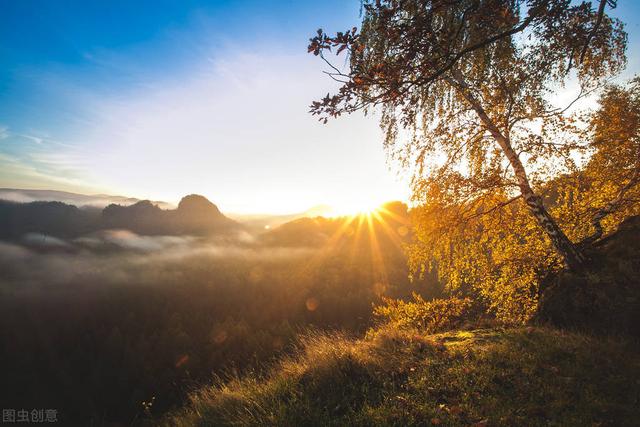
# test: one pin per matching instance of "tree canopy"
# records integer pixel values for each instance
(465, 89)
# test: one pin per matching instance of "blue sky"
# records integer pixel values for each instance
(158, 99)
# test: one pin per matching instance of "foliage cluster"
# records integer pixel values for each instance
(436, 315)
(492, 249)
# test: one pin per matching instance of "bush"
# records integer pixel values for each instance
(431, 316)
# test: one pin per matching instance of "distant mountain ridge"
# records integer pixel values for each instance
(76, 199)
(195, 215)
(254, 221)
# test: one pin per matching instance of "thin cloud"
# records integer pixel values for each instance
(233, 126)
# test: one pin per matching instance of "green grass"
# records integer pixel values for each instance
(487, 377)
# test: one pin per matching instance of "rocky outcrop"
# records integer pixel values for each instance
(604, 298)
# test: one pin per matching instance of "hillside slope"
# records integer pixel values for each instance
(527, 376)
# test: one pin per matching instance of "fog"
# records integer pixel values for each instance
(125, 258)
(122, 317)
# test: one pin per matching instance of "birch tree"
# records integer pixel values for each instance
(464, 90)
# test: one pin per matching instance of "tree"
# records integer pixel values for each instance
(595, 199)
(463, 87)
(614, 167)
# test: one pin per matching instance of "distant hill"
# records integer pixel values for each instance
(50, 218)
(255, 222)
(79, 200)
(259, 222)
(195, 215)
(390, 225)
(68, 215)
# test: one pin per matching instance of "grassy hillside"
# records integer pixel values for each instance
(486, 377)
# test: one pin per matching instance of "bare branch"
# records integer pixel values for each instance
(603, 3)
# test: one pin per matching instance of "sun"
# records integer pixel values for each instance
(353, 208)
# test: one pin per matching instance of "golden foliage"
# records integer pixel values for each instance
(464, 94)
(431, 316)
(497, 258)
(491, 248)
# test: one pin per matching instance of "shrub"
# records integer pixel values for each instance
(432, 316)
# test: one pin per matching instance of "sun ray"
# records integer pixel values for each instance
(353, 209)
(356, 238)
(383, 210)
(378, 265)
(390, 232)
(330, 244)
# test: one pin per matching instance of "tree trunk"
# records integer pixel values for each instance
(573, 257)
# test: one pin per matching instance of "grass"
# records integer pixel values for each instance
(487, 377)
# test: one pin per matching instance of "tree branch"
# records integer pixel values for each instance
(609, 208)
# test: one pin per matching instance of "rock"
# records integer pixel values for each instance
(606, 297)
